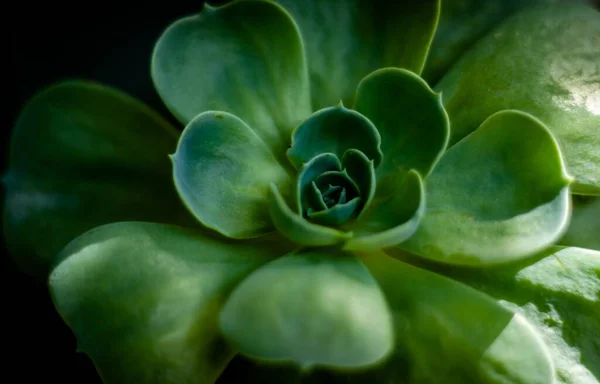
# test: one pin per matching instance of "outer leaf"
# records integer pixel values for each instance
(559, 292)
(346, 40)
(501, 194)
(409, 116)
(462, 23)
(315, 308)
(297, 229)
(392, 217)
(245, 58)
(143, 299)
(543, 61)
(222, 171)
(83, 155)
(334, 130)
(584, 228)
(455, 332)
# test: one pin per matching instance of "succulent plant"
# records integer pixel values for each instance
(363, 191)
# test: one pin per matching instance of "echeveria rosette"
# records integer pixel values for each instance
(339, 221)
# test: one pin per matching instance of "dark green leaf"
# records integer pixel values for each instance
(297, 229)
(408, 115)
(82, 155)
(309, 172)
(362, 171)
(334, 130)
(336, 215)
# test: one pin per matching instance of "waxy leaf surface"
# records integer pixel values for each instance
(392, 217)
(334, 130)
(409, 117)
(312, 308)
(453, 331)
(500, 194)
(558, 291)
(544, 61)
(245, 58)
(222, 171)
(143, 299)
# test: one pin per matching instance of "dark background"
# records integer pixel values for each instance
(47, 44)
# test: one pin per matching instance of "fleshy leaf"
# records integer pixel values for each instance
(559, 293)
(453, 331)
(346, 40)
(245, 58)
(143, 299)
(462, 23)
(500, 194)
(409, 117)
(313, 308)
(222, 171)
(543, 61)
(362, 171)
(336, 215)
(392, 217)
(83, 155)
(334, 130)
(308, 173)
(584, 227)
(297, 229)
(338, 181)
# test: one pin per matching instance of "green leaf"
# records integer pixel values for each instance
(543, 61)
(308, 173)
(500, 194)
(362, 171)
(245, 58)
(222, 171)
(82, 155)
(453, 331)
(410, 118)
(558, 291)
(336, 215)
(334, 130)
(313, 308)
(461, 24)
(297, 229)
(143, 299)
(346, 40)
(584, 228)
(393, 216)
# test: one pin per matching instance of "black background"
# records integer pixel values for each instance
(108, 43)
